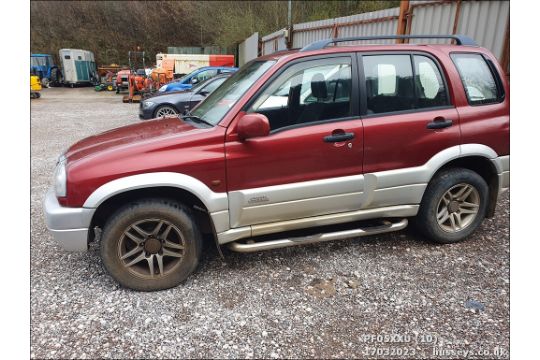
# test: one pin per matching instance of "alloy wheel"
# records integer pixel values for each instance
(458, 208)
(151, 248)
(165, 111)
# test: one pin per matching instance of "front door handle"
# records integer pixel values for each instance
(338, 137)
(439, 123)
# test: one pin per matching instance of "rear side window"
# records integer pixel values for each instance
(394, 84)
(389, 83)
(478, 79)
(429, 85)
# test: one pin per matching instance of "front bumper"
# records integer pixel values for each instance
(69, 226)
(146, 113)
(503, 167)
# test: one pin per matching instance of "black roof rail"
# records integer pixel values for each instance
(321, 44)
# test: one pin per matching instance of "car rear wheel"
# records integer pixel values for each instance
(151, 245)
(453, 206)
(165, 110)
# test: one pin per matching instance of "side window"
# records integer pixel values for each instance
(67, 57)
(430, 90)
(213, 85)
(307, 92)
(389, 83)
(205, 75)
(477, 78)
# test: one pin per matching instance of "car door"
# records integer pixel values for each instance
(311, 162)
(408, 118)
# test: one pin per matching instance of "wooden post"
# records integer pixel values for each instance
(402, 20)
(505, 56)
(456, 17)
(335, 31)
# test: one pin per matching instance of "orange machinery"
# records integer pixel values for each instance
(139, 84)
(162, 75)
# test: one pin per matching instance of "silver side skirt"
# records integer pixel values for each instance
(387, 226)
(399, 211)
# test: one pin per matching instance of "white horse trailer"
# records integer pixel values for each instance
(79, 67)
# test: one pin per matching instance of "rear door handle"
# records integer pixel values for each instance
(439, 123)
(338, 137)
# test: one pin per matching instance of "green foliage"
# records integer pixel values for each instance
(111, 28)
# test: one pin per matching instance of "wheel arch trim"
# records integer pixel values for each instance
(424, 173)
(213, 201)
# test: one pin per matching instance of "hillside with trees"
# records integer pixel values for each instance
(111, 28)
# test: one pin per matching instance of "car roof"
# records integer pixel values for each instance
(215, 67)
(286, 55)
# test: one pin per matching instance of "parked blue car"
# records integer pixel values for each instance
(43, 66)
(195, 77)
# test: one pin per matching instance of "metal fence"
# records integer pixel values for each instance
(487, 22)
(273, 42)
(248, 49)
(382, 22)
(484, 21)
(209, 50)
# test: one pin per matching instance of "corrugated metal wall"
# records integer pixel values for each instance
(215, 50)
(248, 49)
(273, 42)
(382, 22)
(431, 18)
(484, 21)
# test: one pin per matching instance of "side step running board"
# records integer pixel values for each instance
(310, 239)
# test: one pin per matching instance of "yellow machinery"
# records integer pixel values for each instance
(35, 87)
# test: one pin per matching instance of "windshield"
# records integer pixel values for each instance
(215, 106)
(39, 61)
(182, 78)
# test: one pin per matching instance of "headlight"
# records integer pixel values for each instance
(163, 88)
(147, 104)
(60, 178)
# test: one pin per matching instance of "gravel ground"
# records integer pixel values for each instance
(331, 300)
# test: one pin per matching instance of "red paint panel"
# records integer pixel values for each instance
(195, 152)
(221, 60)
(486, 124)
(293, 155)
(401, 141)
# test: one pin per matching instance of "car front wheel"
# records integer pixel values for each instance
(453, 205)
(165, 110)
(151, 245)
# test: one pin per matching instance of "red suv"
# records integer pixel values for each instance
(340, 141)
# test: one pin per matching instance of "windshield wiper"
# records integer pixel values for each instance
(189, 115)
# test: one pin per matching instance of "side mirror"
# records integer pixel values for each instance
(194, 80)
(253, 125)
(204, 92)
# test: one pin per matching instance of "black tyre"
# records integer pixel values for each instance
(56, 77)
(453, 206)
(152, 244)
(165, 110)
